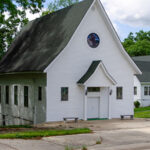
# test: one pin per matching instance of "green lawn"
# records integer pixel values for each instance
(142, 112)
(42, 133)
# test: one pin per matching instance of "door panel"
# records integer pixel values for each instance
(93, 107)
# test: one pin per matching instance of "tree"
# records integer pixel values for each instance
(58, 4)
(138, 44)
(13, 17)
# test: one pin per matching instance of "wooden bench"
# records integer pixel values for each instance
(123, 116)
(71, 118)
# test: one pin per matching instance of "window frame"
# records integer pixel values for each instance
(135, 90)
(91, 43)
(40, 93)
(62, 96)
(7, 96)
(147, 92)
(16, 95)
(93, 89)
(26, 96)
(117, 94)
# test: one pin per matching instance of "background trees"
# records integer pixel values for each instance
(13, 17)
(138, 44)
(58, 4)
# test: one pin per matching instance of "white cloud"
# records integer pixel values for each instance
(131, 12)
(118, 30)
(31, 16)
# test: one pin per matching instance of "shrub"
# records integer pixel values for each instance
(137, 104)
(84, 147)
(98, 141)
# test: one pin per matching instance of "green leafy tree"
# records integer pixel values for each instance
(138, 44)
(58, 4)
(13, 17)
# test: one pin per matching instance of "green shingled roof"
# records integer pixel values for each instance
(143, 62)
(41, 41)
(89, 72)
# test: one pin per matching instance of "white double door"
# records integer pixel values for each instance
(93, 107)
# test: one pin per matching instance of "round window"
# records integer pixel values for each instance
(93, 40)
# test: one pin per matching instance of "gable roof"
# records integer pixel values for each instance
(143, 62)
(40, 42)
(89, 72)
(118, 41)
(92, 69)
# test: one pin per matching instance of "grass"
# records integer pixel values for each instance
(69, 148)
(142, 112)
(17, 126)
(142, 109)
(43, 133)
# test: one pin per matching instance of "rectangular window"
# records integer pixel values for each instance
(119, 92)
(93, 89)
(64, 93)
(0, 94)
(146, 89)
(39, 93)
(26, 96)
(16, 95)
(7, 94)
(135, 90)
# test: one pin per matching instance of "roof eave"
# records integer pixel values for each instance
(80, 82)
(114, 33)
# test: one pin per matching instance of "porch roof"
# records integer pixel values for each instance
(89, 72)
(92, 69)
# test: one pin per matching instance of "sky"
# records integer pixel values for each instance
(126, 15)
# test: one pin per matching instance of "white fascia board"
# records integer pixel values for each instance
(114, 33)
(107, 74)
(101, 65)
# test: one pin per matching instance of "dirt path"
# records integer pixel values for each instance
(115, 134)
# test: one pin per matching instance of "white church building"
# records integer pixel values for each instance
(69, 63)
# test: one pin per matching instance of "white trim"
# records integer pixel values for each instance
(109, 105)
(101, 65)
(85, 103)
(114, 33)
(107, 73)
(99, 112)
